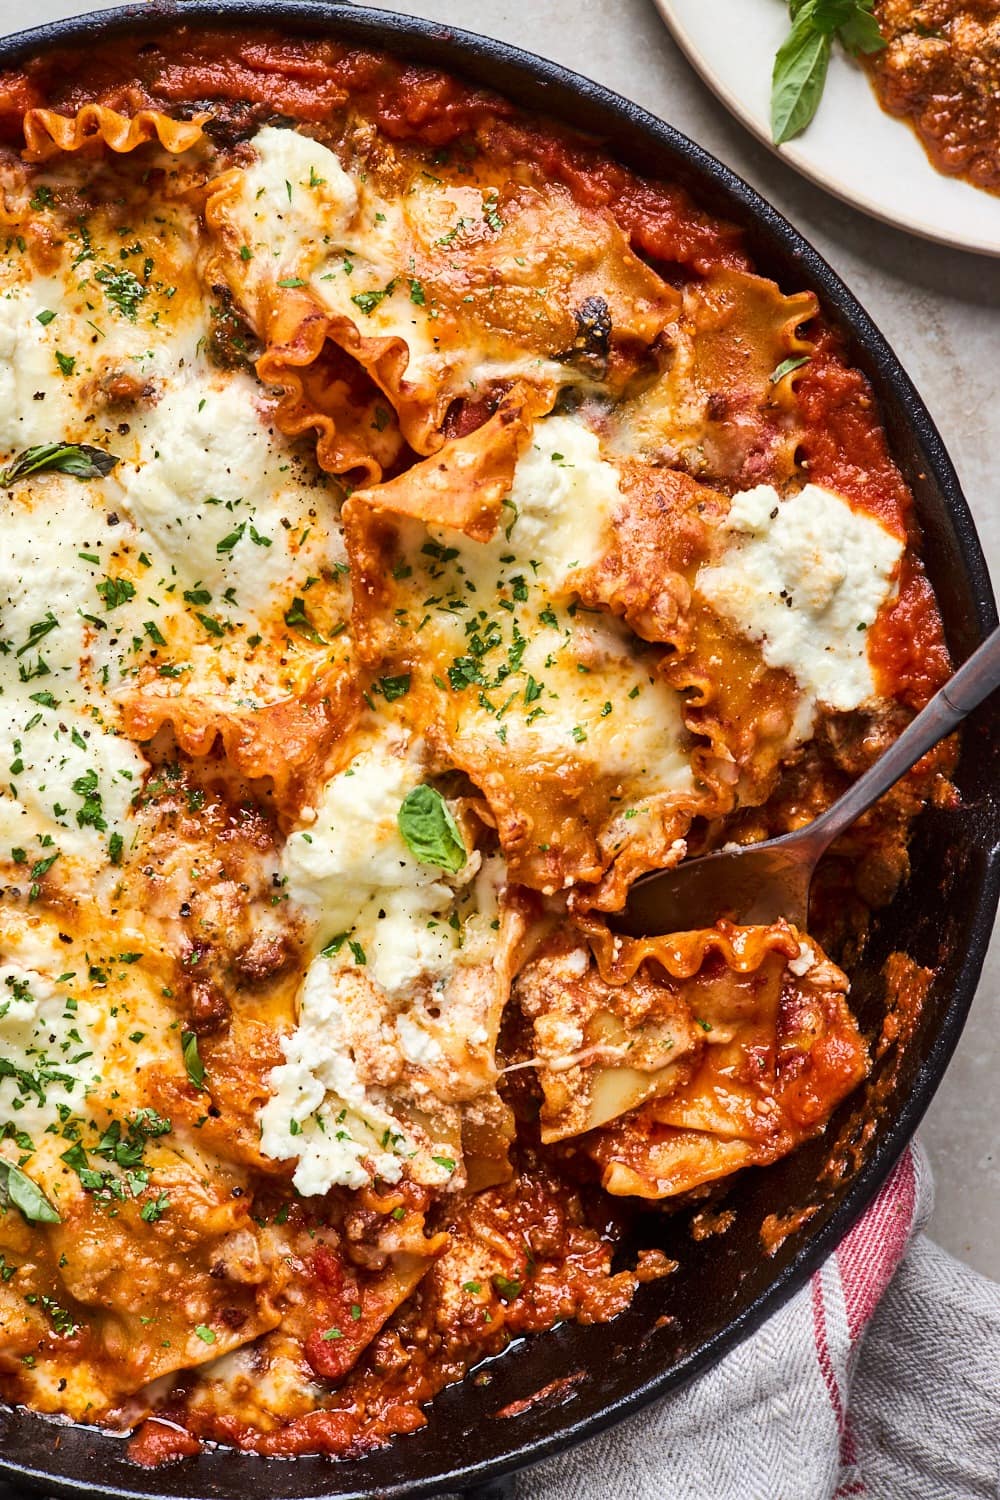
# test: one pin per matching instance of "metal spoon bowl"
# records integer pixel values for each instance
(762, 882)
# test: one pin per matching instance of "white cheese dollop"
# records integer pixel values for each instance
(806, 577)
(320, 1111)
(562, 499)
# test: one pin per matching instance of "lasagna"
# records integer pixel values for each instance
(416, 528)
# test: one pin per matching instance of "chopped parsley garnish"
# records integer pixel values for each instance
(91, 813)
(123, 290)
(296, 618)
(115, 591)
(229, 542)
(392, 688)
(368, 301)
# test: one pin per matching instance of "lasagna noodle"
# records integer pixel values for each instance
(725, 405)
(477, 303)
(780, 1051)
(287, 742)
(618, 1021)
(48, 134)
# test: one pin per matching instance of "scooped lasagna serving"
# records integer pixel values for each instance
(415, 528)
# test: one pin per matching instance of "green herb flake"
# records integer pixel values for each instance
(115, 591)
(507, 1287)
(123, 290)
(787, 366)
(296, 618)
(392, 688)
(193, 1065)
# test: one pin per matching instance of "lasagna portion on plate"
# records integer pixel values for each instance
(415, 528)
(940, 70)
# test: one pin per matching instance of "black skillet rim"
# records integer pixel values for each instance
(733, 198)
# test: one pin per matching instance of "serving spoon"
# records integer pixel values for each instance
(758, 883)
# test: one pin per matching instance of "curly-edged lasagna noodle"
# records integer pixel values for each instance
(415, 528)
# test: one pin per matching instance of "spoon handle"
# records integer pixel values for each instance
(973, 682)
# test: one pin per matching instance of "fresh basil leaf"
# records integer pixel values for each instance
(800, 70)
(787, 366)
(193, 1065)
(430, 831)
(79, 459)
(27, 1195)
(860, 32)
(800, 67)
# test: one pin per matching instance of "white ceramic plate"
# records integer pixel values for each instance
(852, 148)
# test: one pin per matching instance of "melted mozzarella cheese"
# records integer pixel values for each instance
(28, 367)
(64, 776)
(806, 577)
(215, 489)
(295, 199)
(51, 1052)
(561, 502)
(67, 783)
(67, 337)
(581, 691)
(307, 221)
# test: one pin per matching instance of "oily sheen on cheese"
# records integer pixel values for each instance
(411, 534)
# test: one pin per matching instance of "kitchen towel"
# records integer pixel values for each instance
(880, 1380)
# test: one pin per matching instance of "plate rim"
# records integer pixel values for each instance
(794, 156)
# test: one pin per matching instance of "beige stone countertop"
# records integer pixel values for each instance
(939, 308)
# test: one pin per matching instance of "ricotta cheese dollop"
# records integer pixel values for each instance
(806, 577)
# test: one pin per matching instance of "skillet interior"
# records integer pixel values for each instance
(726, 1285)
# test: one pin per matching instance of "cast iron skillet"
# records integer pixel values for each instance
(726, 1285)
